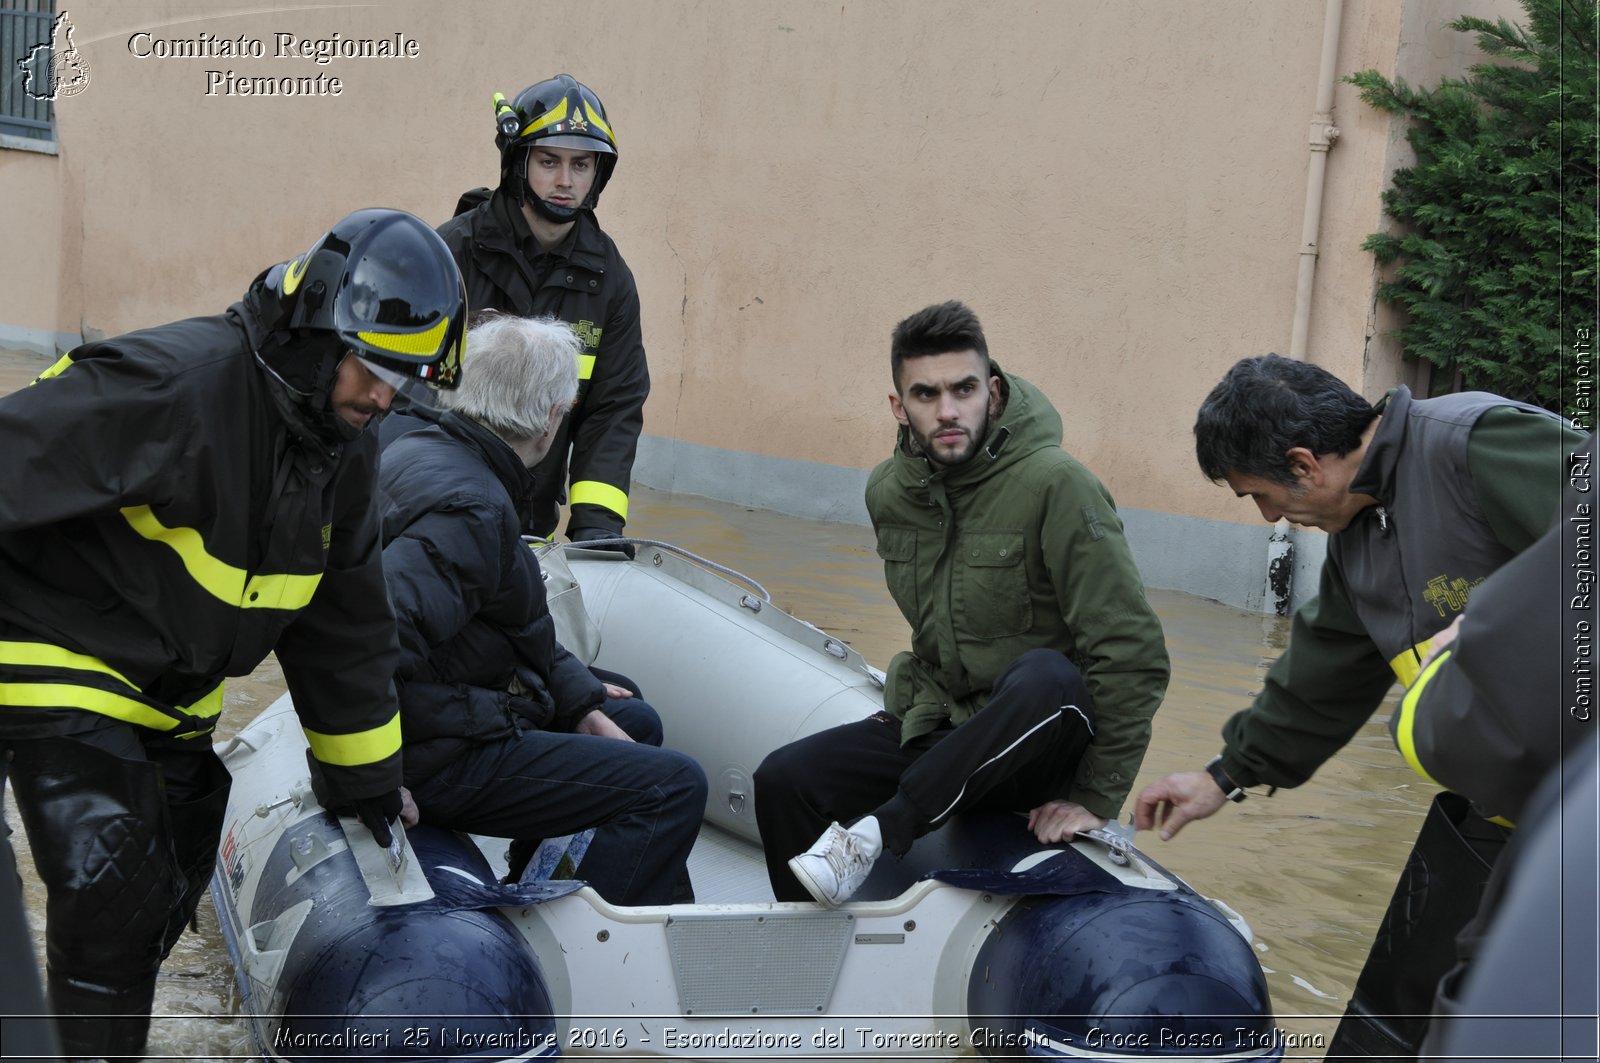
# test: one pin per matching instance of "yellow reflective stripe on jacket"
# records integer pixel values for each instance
(1405, 726)
(44, 655)
(109, 703)
(104, 702)
(595, 493)
(1408, 663)
(1406, 718)
(220, 579)
(55, 370)
(585, 366)
(363, 747)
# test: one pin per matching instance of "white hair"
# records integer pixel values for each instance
(515, 371)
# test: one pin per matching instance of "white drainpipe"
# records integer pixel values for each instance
(1280, 546)
(1323, 134)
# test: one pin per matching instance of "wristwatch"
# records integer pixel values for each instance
(1230, 789)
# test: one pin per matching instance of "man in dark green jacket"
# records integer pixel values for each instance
(1034, 650)
(1422, 500)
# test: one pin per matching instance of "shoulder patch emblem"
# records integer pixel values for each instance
(586, 332)
(1091, 521)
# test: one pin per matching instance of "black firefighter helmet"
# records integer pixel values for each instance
(382, 284)
(557, 113)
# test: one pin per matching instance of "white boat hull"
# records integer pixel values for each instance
(1090, 951)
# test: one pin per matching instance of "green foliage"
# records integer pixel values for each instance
(1495, 259)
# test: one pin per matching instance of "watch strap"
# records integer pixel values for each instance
(1230, 789)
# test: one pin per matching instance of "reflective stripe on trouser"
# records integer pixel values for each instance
(38, 675)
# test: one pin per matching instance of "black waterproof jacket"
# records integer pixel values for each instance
(1496, 712)
(585, 283)
(163, 526)
(478, 652)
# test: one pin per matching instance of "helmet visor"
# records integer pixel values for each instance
(578, 142)
(394, 379)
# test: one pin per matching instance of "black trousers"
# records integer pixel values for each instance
(1018, 752)
(28, 1032)
(124, 824)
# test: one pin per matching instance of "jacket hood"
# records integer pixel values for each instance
(1027, 422)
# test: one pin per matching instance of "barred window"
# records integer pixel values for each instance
(29, 70)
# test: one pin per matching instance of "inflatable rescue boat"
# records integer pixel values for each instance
(980, 942)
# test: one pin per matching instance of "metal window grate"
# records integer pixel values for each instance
(24, 27)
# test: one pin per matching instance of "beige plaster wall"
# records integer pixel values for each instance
(32, 272)
(1116, 188)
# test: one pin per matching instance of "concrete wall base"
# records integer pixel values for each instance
(37, 340)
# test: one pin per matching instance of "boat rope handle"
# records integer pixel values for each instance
(690, 555)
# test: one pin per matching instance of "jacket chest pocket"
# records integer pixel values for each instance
(991, 598)
(898, 548)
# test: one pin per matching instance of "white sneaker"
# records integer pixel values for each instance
(836, 866)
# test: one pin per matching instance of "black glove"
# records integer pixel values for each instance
(584, 535)
(377, 813)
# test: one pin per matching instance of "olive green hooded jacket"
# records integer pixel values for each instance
(1016, 549)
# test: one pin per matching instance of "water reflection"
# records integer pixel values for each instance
(1310, 869)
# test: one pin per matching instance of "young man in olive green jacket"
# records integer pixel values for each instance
(1036, 661)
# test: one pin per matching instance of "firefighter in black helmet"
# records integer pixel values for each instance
(532, 247)
(201, 493)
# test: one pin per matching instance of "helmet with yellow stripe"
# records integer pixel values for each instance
(385, 285)
(557, 113)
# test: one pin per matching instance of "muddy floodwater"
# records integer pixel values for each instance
(1310, 869)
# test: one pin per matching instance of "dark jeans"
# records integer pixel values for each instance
(1018, 752)
(645, 803)
(124, 824)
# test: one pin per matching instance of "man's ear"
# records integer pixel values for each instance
(1303, 465)
(898, 408)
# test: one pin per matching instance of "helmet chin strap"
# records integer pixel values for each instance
(306, 382)
(549, 212)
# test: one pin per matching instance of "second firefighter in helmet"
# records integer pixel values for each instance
(532, 247)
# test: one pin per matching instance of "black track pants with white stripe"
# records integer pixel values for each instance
(1018, 752)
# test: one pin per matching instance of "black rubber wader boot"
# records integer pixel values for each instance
(123, 870)
(1436, 898)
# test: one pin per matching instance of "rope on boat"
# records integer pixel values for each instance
(689, 555)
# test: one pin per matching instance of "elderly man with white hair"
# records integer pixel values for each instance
(506, 733)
